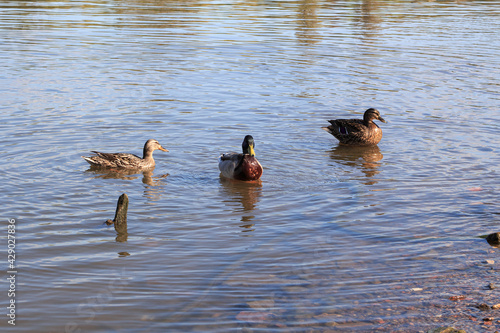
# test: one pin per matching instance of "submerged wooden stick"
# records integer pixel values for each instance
(120, 220)
(121, 210)
(493, 239)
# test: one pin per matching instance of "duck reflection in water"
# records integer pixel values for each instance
(246, 195)
(368, 157)
(147, 175)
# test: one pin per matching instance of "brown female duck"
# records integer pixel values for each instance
(357, 132)
(241, 166)
(124, 160)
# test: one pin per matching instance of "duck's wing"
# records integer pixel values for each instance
(228, 162)
(114, 160)
(347, 130)
(349, 126)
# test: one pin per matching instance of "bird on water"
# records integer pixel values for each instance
(244, 166)
(125, 160)
(357, 132)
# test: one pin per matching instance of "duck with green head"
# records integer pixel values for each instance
(357, 132)
(243, 166)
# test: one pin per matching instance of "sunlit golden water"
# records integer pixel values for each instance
(330, 239)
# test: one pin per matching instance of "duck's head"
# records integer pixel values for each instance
(151, 145)
(248, 145)
(372, 114)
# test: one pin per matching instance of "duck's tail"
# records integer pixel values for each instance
(89, 160)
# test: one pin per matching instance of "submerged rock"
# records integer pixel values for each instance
(254, 316)
(446, 330)
(261, 305)
(482, 306)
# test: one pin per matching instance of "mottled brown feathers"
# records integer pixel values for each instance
(124, 160)
(357, 132)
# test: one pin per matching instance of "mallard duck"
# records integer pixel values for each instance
(124, 160)
(241, 166)
(357, 132)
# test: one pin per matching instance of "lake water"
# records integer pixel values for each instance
(331, 239)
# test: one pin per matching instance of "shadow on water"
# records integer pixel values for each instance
(368, 158)
(246, 195)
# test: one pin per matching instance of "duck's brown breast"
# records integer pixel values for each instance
(248, 169)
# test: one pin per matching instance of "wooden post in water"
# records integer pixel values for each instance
(120, 220)
(493, 239)
(121, 210)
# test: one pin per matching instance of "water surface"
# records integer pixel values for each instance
(330, 239)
